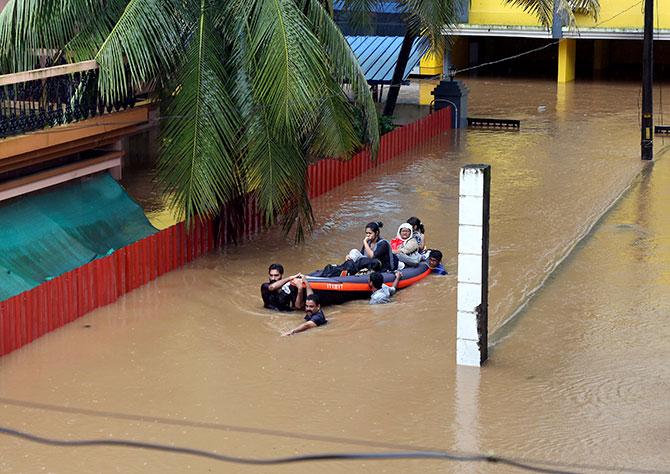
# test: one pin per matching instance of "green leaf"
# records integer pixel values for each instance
(200, 131)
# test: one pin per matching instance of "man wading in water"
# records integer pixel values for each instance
(313, 314)
(282, 294)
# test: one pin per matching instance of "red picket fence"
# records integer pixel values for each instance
(56, 302)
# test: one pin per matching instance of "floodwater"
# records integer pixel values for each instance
(576, 380)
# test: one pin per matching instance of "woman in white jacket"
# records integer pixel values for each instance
(406, 247)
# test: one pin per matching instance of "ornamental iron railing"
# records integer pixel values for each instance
(53, 96)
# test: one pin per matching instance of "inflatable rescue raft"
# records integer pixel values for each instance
(336, 290)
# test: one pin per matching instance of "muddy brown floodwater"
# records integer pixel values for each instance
(577, 377)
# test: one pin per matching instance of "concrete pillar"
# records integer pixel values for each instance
(473, 265)
(567, 53)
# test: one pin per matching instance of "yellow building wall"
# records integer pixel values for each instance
(495, 12)
(613, 14)
(625, 14)
(431, 63)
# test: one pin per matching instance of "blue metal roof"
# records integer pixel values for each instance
(378, 56)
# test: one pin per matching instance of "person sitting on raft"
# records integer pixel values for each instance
(418, 232)
(405, 246)
(279, 293)
(374, 248)
(382, 293)
(434, 262)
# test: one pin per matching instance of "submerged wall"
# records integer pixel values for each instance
(33, 313)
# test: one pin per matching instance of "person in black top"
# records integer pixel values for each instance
(279, 293)
(313, 314)
(374, 248)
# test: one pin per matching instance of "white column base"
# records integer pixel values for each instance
(468, 353)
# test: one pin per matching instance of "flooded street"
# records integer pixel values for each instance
(576, 379)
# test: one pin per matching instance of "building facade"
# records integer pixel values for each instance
(608, 47)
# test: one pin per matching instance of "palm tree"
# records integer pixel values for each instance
(429, 18)
(251, 90)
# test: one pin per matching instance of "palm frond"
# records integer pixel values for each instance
(275, 169)
(285, 64)
(201, 129)
(588, 7)
(148, 38)
(568, 8)
(360, 14)
(429, 18)
(31, 28)
(543, 10)
(342, 140)
(345, 68)
(90, 35)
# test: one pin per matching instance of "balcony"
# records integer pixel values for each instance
(55, 125)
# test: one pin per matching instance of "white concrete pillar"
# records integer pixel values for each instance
(473, 265)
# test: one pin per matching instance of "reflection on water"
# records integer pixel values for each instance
(575, 380)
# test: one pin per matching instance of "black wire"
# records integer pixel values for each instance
(618, 14)
(528, 465)
(442, 455)
(308, 436)
(458, 71)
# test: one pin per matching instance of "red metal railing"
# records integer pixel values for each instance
(56, 302)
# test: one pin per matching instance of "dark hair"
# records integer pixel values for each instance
(375, 226)
(375, 265)
(276, 266)
(377, 279)
(436, 254)
(313, 297)
(416, 224)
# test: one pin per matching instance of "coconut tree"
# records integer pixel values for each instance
(429, 19)
(251, 90)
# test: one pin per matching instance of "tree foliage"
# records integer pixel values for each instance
(544, 10)
(251, 90)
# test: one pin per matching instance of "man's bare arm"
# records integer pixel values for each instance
(303, 327)
(274, 286)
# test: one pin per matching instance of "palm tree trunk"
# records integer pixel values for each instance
(401, 65)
